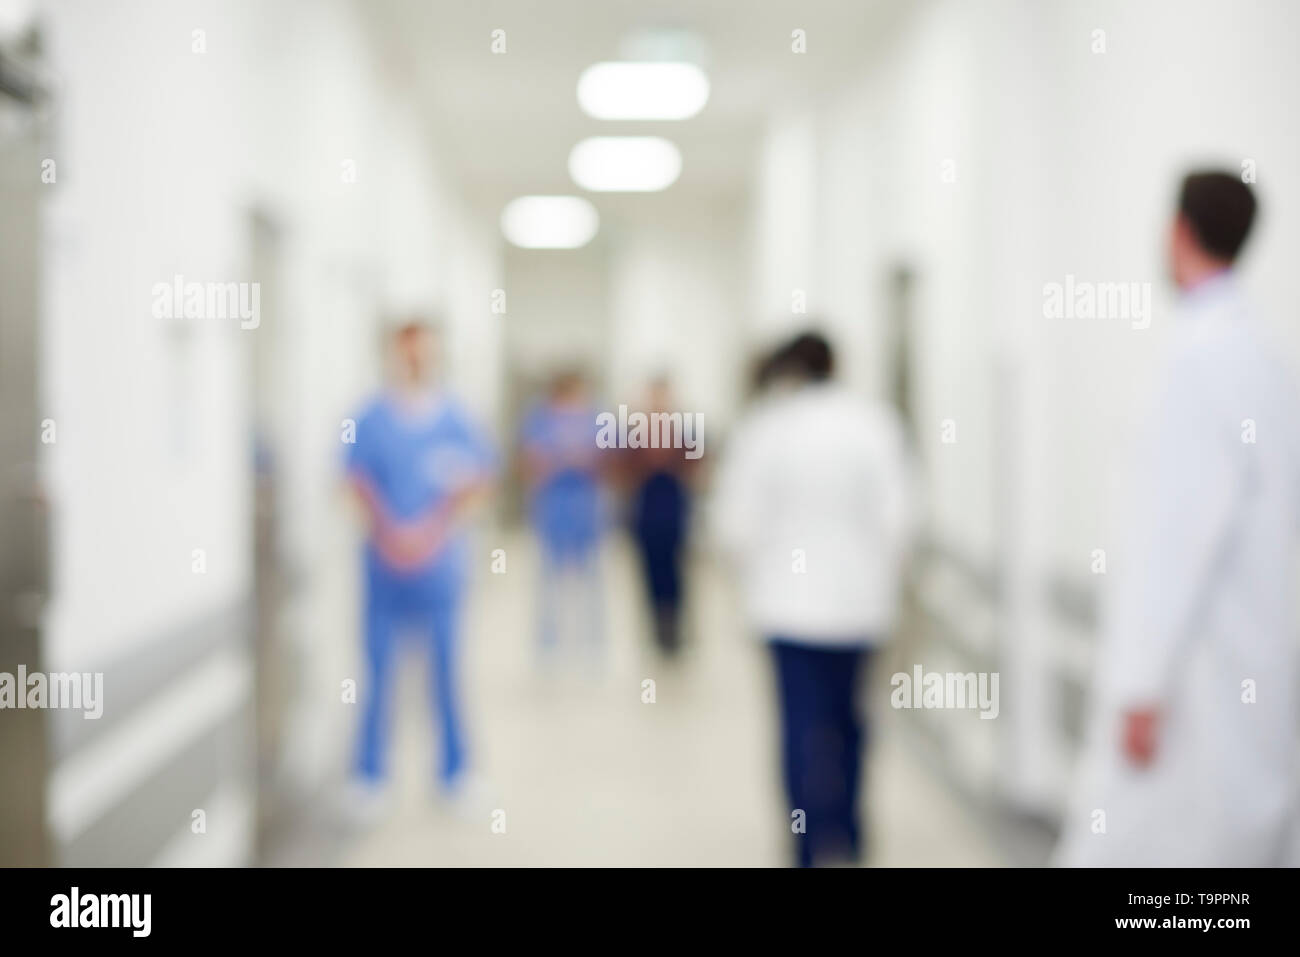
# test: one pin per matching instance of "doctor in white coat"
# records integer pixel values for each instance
(1192, 753)
(812, 503)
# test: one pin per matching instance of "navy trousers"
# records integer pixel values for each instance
(822, 741)
(659, 517)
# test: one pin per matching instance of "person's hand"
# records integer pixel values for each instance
(408, 546)
(399, 548)
(1141, 735)
(404, 546)
(463, 498)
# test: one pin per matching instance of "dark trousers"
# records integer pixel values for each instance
(822, 740)
(659, 527)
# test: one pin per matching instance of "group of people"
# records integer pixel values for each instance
(1191, 756)
(1192, 751)
(570, 478)
(418, 464)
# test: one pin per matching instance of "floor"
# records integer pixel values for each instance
(624, 759)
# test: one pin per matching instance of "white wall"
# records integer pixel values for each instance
(558, 308)
(675, 310)
(162, 153)
(784, 226)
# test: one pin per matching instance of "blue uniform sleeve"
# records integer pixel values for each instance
(482, 452)
(532, 434)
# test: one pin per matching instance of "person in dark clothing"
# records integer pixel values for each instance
(659, 516)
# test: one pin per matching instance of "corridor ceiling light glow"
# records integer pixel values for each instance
(625, 164)
(642, 91)
(549, 222)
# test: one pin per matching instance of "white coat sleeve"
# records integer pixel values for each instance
(735, 508)
(1188, 484)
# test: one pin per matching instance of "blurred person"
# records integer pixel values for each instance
(659, 514)
(417, 465)
(562, 470)
(1192, 753)
(812, 503)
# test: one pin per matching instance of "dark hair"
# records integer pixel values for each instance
(1220, 209)
(807, 356)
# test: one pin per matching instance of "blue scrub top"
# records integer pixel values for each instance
(565, 506)
(415, 460)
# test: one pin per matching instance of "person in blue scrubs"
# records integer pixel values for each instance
(418, 464)
(562, 467)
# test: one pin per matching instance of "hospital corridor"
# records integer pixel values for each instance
(591, 775)
(663, 434)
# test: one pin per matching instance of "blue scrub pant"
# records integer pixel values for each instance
(429, 609)
(822, 740)
(570, 600)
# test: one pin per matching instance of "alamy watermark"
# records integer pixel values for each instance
(74, 909)
(946, 690)
(65, 691)
(1076, 299)
(179, 299)
(651, 430)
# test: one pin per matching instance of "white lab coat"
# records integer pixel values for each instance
(811, 502)
(1199, 610)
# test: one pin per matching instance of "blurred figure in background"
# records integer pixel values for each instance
(417, 464)
(562, 472)
(659, 513)
(812, 503)
(1192, 756)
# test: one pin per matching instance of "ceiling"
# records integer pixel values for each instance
(506, 122)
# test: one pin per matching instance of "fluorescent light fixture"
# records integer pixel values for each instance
(625, 164)
(642, 91)
(549, 222)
